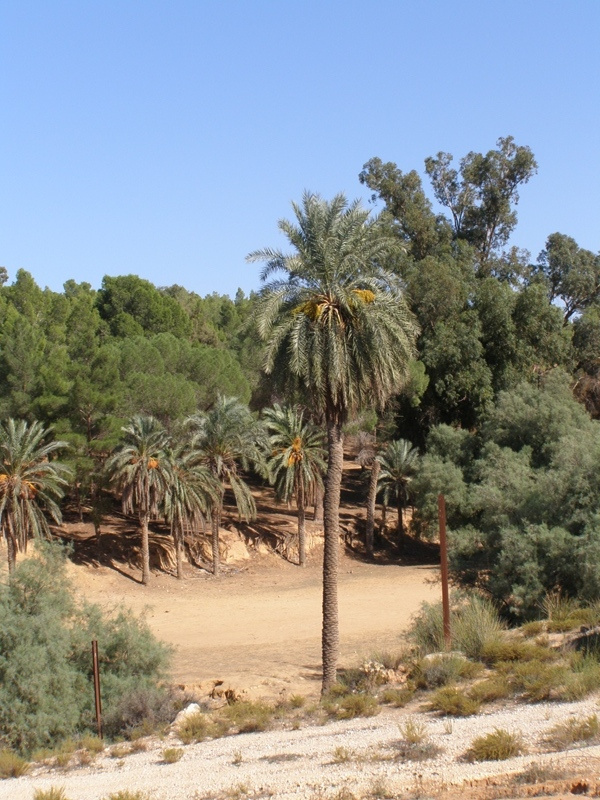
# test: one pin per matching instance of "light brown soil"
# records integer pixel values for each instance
(258, 627)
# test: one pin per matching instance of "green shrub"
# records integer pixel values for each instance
(496, 746)
(442, 669)
(414, 731)
(572, 731)
(45, 642)
(475, 624)
(396, 697)
(127, 794)
(538, 680)
(513, 649)
(583, 679)
(92, 743)
(356, 705)
(53, 793)
(247, 716)
(170, 755)
(198, 727)
(297, 701)
(12, 765)
(496, 687)
(453, 702)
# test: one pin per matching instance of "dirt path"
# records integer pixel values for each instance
(259, 628)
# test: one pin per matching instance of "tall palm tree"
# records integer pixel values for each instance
(227, 437)
(140, 470)
(398, 463)
(334, 321)
(30, 484)
(296, 461)
(190, 495)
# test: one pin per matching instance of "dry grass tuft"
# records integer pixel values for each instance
(496, 746)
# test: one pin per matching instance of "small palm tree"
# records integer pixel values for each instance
(227, 437)
(190, 496)
(398, 464)
(335, 323)
(30, 484)
(296, 461)
(141, 471)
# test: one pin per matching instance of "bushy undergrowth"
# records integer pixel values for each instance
(572, 731)
(45, 669)
(496, 746)
(475, 626)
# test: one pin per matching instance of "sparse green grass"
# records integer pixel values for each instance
(498, 745)
(573, 731)
(127, 794)
(120, 750)
(354, 705)
(170, 755)
(198, 727)
(297, 701)
(53, 793)
(442, 669)
(514, 649)
(388, 659)
(94, 744)
(342, 755)
(496, 687)
(538, 773)
(414, 731)
(396, 697)
(247, 716)
(454, 702)
(12, 765)
(538, 680)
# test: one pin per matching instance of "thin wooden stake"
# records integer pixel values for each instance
(444, 566)
(97, 696)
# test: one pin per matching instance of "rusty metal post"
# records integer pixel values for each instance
(444, 566)
(97, 696)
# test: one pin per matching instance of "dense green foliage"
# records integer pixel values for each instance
(46, 693)
(522, 495)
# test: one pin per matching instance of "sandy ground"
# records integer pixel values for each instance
(258, 627)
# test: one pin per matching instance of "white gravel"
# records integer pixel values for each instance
(295, 764)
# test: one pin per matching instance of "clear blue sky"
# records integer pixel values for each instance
(167, 138)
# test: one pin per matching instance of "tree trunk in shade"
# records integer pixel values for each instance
(372, 496)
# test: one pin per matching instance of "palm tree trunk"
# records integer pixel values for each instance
(333, 485)
(400, 526)
(144, 521)
(318, 513)
(12, 554)
(372, 496)
(216, 556)
(301, 526)
(179, 551)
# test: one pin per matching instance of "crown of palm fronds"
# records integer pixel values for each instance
(226, 437)
(398, 464)
(30, 482)
(336, 321)
(296, 452)
(139, 467)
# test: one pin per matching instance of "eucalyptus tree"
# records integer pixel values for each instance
(141, 472)
(191, 493)
(398, 464)
(335, 322)
(30, 484)
(296, 461)
(226, 438)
